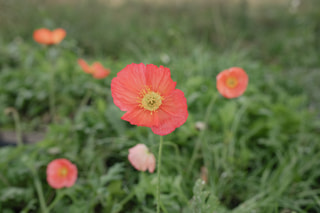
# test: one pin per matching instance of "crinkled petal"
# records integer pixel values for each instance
(141, 117)
(159, 78)
(172, 113)
(126, 86)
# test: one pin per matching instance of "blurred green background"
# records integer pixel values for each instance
(261, 150)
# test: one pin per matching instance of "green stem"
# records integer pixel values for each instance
(17, 124)
(58, 197)
(86, 98)
(52, 98)
(124, 201)
(158, 174)
(37, 183)
(234, 129)
(200, 137)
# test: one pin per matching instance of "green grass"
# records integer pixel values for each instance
(261, 149)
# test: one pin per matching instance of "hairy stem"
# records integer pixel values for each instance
(158, 174)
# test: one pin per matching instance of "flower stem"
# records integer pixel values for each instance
(17, 124)
(200, 137)
(86, 98)
(234, 129)
(158, 174)
(37, 183)
(58, 197)
(124, 201)
(51, 56)
(52, 98)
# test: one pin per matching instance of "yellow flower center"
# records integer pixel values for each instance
(63, 172)
(232, 82)
(150, 100)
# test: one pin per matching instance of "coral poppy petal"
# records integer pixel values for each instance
(126, 86)
(72, 176)
(43, 36)
(53, 179)
(160, 79)
(97, 66)
(85, 67)
(99, 72)
(141, 117)
(58, 35)
(172, 113)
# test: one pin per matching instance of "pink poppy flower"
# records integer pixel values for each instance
(96, 70)
(141, 159)
(47, 37)
(232, 83)
(61, 173)
(148, 95)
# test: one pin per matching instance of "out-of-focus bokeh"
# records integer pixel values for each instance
(257, 153)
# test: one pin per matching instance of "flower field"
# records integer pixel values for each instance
(177, 108)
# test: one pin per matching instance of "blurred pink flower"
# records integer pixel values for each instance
(232, 83)
(61, 173)
(96, 69)
(141, 159)
(47, 37)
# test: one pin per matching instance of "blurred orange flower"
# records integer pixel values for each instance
(96, 70)
(61, 173)
(141, 159)
(47, 37)
(148, 94)
(232, 83)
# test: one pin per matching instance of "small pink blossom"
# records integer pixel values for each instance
(61, 173)
(141, 159)
(96, 69)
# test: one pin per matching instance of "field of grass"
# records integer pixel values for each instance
(259, 153)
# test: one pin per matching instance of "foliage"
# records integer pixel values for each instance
(261, 150)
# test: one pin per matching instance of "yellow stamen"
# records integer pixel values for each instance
(232, 82)
(63, 172)
(149, 100)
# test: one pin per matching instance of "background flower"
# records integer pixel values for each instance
(148, 94)
(141, 159)
(96, 70)
(232, 82)
(61, 173)
(47, 37)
